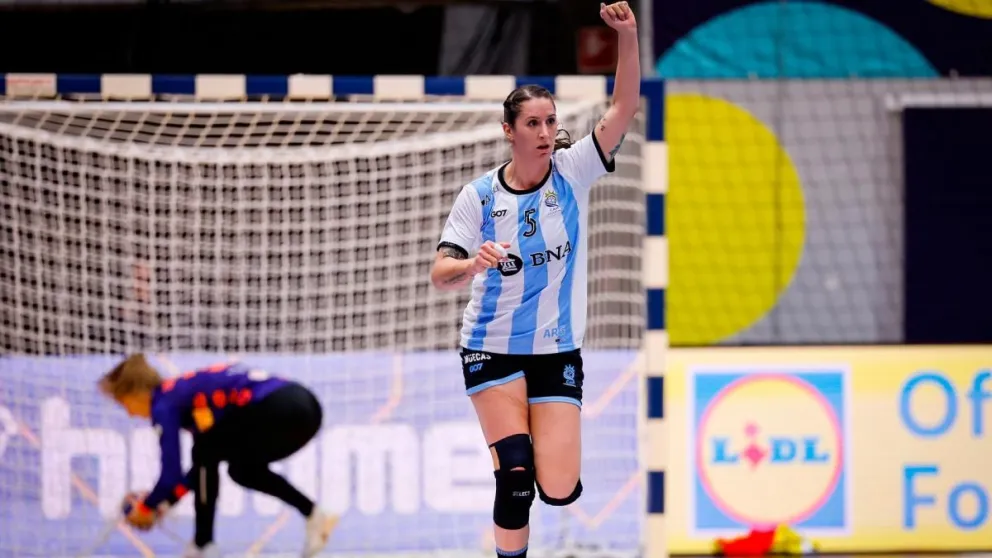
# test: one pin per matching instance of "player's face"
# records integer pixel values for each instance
(535, 129)
(136, 404)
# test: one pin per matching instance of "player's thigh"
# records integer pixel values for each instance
(502, 412)
(498, 391)
(554, 385)
(556, 431)
(292, 417)
(494, 380)
(276, 427)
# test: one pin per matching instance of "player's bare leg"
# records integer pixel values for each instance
(503, 415)
(556, 431)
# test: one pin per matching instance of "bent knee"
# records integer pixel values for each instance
(245, 474)
(514, 482)
(557, 479)
(559, 491)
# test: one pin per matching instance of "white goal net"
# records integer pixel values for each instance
(296, 237)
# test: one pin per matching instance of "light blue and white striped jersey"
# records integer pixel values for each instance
(534, 303)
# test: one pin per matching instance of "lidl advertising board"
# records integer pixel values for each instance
(857, 448)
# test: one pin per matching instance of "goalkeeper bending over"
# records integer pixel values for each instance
(239, 415)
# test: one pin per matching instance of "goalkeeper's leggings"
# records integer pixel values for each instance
(249, 439)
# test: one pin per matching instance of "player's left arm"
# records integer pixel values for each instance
(612, 128)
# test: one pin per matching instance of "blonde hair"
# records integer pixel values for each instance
(133, 375)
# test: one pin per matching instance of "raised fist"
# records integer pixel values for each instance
(618, 16)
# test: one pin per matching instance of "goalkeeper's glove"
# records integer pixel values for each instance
(138, 515)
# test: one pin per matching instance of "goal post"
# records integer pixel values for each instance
(290, 221)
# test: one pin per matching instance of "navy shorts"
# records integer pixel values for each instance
(550, 378)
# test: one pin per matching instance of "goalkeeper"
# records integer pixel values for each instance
(239, 415)
(518, 235)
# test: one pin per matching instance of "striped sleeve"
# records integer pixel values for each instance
(584, 162)
(464, 223)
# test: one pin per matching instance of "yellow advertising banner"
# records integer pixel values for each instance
(857, 448)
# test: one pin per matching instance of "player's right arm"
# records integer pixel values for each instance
(454, 266)
(172, 481)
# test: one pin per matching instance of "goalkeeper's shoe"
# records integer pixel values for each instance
(209, 551)
(319, 529)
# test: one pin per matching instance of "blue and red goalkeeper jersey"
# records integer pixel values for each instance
(195, 402)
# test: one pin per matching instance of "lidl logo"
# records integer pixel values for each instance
(770, 448)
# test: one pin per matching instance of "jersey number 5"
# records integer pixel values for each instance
(531, 223)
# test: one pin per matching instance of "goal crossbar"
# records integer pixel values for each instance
(485, 129)
(209, 107)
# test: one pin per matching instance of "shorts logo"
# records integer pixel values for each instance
(569, 375)
(475, 357)
(770, 448)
